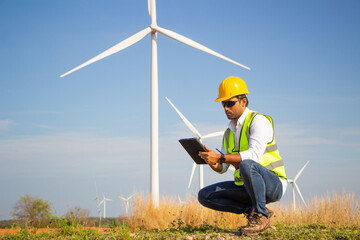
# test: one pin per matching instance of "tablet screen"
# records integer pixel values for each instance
(193, 147)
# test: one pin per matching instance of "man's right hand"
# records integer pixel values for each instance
(211, 158)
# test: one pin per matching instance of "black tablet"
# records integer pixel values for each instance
(193, 146)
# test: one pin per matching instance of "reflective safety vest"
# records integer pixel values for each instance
(270, 159)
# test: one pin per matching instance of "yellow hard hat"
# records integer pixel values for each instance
(231, 87)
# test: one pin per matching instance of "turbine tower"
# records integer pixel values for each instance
(154, 98)
(294, 185)
(200, 137)
(126, 203)
(103, 201)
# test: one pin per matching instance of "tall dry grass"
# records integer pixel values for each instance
(332, 210)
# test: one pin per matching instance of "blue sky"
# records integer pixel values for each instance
(59, 134)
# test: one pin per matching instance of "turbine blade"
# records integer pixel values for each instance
(118, 47)
(188, 124)
(192, 174)
(215, 134)
(301, 170)
(152, 11)
(298, 190)
(194, 44)
(100, 203)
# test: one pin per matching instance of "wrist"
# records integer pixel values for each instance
(222, 158)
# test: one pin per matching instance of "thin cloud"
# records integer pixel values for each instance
(47, 127)
(69, 146)
(315, 137)
(6, 124)
(353, 132)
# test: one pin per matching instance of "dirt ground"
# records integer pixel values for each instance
(14, 231)
(4, 231)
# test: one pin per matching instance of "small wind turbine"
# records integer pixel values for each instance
(97, 200)
(200, 137)
(154, 98)
(181, 201)
(103, 201)
(294, 185)
(126, 203)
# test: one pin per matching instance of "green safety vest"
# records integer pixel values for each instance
(270, 159)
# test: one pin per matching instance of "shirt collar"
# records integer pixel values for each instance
(238, 124)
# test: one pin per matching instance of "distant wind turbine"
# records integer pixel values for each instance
(200, 137)
(97, 200)
(154, 98)
(126, 203)
(294, 185)
(103, 201)
(181, 201)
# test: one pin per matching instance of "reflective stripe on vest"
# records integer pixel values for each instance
(271, 158)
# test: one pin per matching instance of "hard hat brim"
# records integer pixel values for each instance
(222, 99)
(227, 98)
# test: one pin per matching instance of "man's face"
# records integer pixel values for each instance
(234, 112)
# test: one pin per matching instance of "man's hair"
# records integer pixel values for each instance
(243, 96)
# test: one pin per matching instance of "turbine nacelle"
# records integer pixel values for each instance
(153, 27)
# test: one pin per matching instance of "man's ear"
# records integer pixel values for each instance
(243, 102)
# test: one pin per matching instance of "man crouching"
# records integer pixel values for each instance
(249, 145)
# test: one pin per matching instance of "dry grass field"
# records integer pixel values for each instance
(333, 210)
(335, 216)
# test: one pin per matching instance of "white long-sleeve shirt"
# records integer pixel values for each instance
(261, 133)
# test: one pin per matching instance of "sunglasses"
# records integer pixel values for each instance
(229, 103)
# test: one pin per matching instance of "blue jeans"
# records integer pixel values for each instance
(261, 186)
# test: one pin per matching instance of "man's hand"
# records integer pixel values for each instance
(210, 157)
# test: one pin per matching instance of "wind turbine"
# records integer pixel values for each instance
(200, 137)
(126, 203)
(294, 185)
(97, 200)
(154, 98)
(103, 201)
(181, 202)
